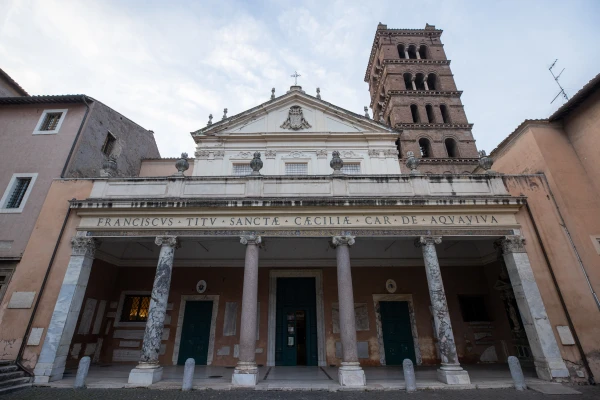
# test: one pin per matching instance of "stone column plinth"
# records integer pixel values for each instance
(350, 373)
(246, 372)
(547, 359)
(51, 363)
(149, 371)
(450, 371)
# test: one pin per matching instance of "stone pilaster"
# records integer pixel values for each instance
(246, 372)
(547, 359)
(350, 373)
(51, 364)
(450, 371)
(148, 370)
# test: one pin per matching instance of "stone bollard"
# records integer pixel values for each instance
(188, 374)
(82, 371)
(409, 376)
(517, 373)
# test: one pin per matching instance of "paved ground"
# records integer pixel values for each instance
(588, 392)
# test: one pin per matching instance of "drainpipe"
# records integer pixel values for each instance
(64, 171)
(39, 297)
(586, 365)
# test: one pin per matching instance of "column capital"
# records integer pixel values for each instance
(425, 240)
(250, 239)
(84, 246)
(343, 240)
(170, 241)
(511, 244)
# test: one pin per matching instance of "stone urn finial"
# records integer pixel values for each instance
(367, 112)
(272, 93)
(336, 163)
(109, 167)
(182, 165)
(224, 113)
(209, 120)
(412, 162)
(256, 164)
(318, 93)
(486, 162)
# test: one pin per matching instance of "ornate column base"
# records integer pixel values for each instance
(245, 374)
(453, 375)
(145, 374)
(551, 370)
(351, 374)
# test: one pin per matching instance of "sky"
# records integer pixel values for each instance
(168, 65)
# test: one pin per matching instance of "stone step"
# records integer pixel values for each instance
(14, 382)
(11, 375)
(15, 388)
(8, 368)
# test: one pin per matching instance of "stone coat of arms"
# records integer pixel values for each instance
(295, 119)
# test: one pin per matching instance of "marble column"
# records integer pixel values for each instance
(350, 373)
(425, 83)
(414, 85)
(246, 372)
(148, 370)
(450, 371)
(406, 54)
(547, 359)
(51, 363)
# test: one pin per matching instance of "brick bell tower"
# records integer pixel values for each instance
(412, 89)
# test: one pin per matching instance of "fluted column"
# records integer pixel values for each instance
(149, 370)
(547, 359)
(51, 363)
(350, 373)
(450, 371)
(246, 372)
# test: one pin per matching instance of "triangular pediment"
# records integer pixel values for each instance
(296, 113)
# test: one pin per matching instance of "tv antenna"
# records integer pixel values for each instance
(562, 91)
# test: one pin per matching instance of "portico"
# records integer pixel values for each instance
(357, 254)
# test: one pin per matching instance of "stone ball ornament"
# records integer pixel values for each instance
(201, 286)
(390, 286)
(182, 164)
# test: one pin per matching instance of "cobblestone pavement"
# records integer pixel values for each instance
(588, 392)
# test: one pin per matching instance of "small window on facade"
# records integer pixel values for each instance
(296, 168)
(451, 147)
(432, 82)
(50, 121)
(423, 52)
(5, 275)
(419, 81)
(430, 115)
(242, 169)
(18, 192)
(351, 168)
(135, 308)
(109, 144)
(399, 147)
(415, 113)
(425, 148)
(412, 52)
(445, 114)
(473, 308)
(401, 50)
(408, 81)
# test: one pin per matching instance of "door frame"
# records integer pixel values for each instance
(272, 327)
(413, 323)
(213, 323)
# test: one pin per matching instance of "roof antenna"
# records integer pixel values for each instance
(562, 91)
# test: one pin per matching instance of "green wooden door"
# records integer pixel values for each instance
(195, 332)
(397, 333)
(296, 333)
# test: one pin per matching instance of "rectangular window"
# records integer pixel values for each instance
(473, 308)
(351, 169)
(242, 169)
(5, 275)
(109, 144)
(15, 196)
(296, 168)
(135, 308)
(51, 121)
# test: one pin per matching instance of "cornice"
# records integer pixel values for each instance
(433, 126)
(446, 161)
(436, 93)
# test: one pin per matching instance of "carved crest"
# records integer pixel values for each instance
(295, 119)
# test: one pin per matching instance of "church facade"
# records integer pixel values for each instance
(303, 234)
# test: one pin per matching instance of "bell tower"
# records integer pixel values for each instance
(413, 90)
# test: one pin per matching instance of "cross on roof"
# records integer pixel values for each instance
(295, 76)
